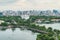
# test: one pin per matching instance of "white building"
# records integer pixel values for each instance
(25, 16)
(1, 21)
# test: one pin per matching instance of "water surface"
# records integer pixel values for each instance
(54, 25)
(17, 34)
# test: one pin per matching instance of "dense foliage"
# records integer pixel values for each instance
(17, 21)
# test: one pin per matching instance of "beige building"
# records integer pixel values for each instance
(39, 20)
(55, 19)
(1, 21)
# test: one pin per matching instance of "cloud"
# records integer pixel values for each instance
(30, 4)
(6, 2)
(39, 4)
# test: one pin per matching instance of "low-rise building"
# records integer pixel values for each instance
(55, 20)
(39, 20)
(1, 21)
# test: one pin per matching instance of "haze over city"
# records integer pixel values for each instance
(29, 4)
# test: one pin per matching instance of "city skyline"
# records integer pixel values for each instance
(29, 4)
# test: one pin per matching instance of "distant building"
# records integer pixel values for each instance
(32, 12)
(55, 19)
(25, 16)
(39, 20)
(1, 21)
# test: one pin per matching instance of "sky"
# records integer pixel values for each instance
(29, 4)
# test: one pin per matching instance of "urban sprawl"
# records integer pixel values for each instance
(30, 12)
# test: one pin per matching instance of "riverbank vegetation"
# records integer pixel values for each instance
(52, 35)
(44, 33)
(17, 20)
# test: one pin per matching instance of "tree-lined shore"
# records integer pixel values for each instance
(17, 22)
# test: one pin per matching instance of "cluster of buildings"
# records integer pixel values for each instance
(41, 20)
(31, 12)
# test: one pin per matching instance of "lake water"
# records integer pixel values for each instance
(17, 34)
(54, 25)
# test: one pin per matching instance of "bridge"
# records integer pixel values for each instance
(36, 30)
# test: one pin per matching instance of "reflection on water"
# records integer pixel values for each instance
(16, 34)
(22, 34)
